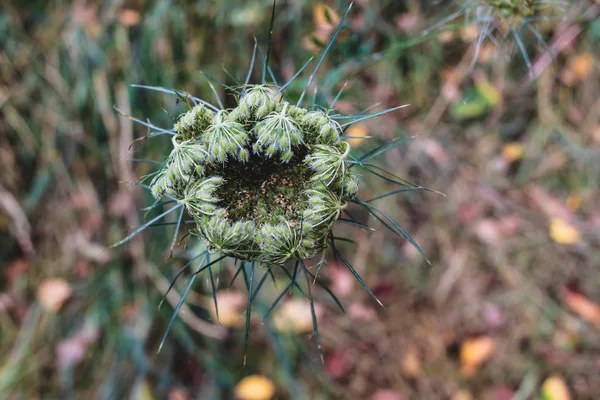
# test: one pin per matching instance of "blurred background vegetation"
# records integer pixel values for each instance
(509, 308)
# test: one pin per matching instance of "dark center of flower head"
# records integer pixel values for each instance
(264, 190)
(265, 181)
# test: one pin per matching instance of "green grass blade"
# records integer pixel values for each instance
(271, 74)
(214, 292)
(293, 277)
(146, 124)
(324, 286)
(323, 54)
(396, 227)
(177, 93)
(177, 275)
(251, 67)
(313, 313)
(140, 229)
(269, 41)
(337, 96)
(236, 274)
(183, 297)
(369, 116)
(350, 222)
(176, 232)
(141, 160)
(277, 300)
(356, 275)
(261, 282)
(385, 147)
(211, 78)
(248, 311)
(295, 76)
(176, 311)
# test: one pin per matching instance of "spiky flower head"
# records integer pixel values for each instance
(265, 181)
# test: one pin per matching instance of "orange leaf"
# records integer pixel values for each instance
(255, 387)
(358, 133)
(573, 202)
(581, 65)
(52, 293)
(583, 306)
(513, 151)
(475, 352)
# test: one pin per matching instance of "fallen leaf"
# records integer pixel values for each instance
(411, 364)
(255, 387)
(469, 107)
(387, 395)
(491, 231)
(230, 305)
(583, 306)
(562, 232)
(474, 352)
(129, 17)
(325, 17)
(555, 388)
(489, 92)
(573, 202)
(52, 293)
(462, 395)
(548, 204)
(338, 364)
(358, 133)
(295, 315)
(469, 33)
(512, 152)
(141, 390)
(581, 65)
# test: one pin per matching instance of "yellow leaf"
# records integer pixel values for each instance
(581, 65)
(325, 17)
(563, 233)
(580, 304)
(141, 391)
(513, 151)
(475, 352)
(555, 388)
(255, 387)
(574, 202)
(489, 92)
(358, 132)
(52, 293)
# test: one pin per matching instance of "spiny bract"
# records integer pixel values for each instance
(265, 181)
